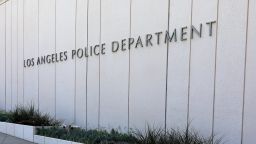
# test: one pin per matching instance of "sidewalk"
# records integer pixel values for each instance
(6, 139)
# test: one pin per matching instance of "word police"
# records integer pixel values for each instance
(148, 40)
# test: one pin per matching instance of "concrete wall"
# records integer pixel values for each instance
(208, 82)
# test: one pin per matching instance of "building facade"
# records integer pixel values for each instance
(127, 64)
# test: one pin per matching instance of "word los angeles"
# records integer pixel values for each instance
(148, 40)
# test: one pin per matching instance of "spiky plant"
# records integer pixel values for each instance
(160, 136)
(30, 116)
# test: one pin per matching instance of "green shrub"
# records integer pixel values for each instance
(149, 136)
(30, 116)
(88, 137)
(3, 116)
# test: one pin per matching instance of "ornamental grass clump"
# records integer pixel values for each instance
(30, 116)
(159, 136)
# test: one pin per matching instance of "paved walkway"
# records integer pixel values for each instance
(6, 139)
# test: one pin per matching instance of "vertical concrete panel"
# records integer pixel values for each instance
(230, 69)
(178, 68)
(14, 53)
(20, 52)
(148, 65)
(65, 71)
(93, 65)
(250, 91)
(114, 66)
(8, 54)
(81, 64)
(2, 57)
(31, 51)
(47, 47)
(202, 67)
